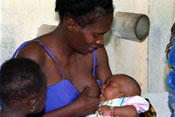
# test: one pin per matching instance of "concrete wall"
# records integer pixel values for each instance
(20, 20)
(162, 16)
(144, 61)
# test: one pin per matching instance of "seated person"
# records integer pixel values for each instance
(117, 92)
(170, 70)
(22, 88)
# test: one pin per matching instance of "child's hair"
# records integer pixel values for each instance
(135, 83)
(19, 78)
(84, 11)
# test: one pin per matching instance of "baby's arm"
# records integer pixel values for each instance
(138, 102)
(130, 107)
(124, 111)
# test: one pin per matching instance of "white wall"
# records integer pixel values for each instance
(20, 20)
(162, 15)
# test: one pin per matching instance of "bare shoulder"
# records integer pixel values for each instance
(34, 51)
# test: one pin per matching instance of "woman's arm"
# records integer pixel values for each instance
(103, 70)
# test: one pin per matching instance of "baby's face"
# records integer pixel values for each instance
(111, 89)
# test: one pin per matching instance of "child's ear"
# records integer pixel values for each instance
(71, 24)
(33, 102)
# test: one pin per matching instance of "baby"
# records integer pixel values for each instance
(120, 90)
(22, 88)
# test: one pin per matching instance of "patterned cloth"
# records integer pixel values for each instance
(171, 76)
(138, 102)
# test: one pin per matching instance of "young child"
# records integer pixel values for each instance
(22, 88)
(117, 92)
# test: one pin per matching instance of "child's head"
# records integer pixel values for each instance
(22, 86)
(120, 85)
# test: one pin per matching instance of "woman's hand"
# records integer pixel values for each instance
(82, 106)
(86, 104)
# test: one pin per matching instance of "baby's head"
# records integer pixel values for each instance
(22, 86)
(120, 85)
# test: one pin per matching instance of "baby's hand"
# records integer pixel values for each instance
(104, 110)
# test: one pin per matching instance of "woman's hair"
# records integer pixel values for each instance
(19, 79)
(84, 11)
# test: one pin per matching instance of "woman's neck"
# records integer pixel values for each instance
(59, 44)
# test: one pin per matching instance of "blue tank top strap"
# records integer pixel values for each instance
(47, 50)
(94, 62)
(19, 48)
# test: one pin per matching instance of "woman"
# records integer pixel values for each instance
(73, 56)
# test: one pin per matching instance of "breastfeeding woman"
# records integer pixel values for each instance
(73, 57)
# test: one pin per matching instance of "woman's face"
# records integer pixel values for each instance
(91, 36)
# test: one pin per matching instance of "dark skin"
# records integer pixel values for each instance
(72, 47)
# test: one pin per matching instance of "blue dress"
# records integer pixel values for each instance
(171, 76)
(63, 92)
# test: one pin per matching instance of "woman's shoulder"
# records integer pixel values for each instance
(32, 50)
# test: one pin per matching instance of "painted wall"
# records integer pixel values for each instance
(144, 61)
(20, 20)
(162, 15)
